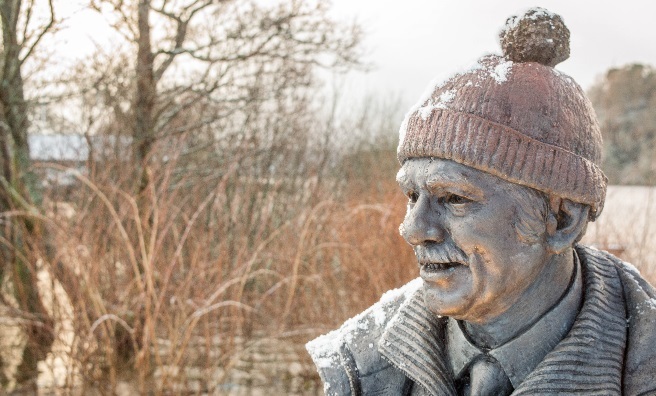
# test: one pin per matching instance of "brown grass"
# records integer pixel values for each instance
(213, 264)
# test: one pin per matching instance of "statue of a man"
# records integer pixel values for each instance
(500, 165)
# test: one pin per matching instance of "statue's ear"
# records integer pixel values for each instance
(566, 222)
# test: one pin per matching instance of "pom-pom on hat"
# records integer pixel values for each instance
(515, 116)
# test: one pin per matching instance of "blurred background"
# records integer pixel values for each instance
(193, 189)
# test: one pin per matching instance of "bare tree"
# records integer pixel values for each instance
(228, 89)
(217, 58)
(237, 79)
(20, 233)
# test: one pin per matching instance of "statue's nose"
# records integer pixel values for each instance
(422, 223)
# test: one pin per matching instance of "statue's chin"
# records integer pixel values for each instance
(448, 292)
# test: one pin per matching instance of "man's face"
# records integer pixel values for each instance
(462, 224)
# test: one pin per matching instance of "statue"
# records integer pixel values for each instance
(500, 165)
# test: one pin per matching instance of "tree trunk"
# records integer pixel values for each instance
(144, 139)
(144, 98)
(18, 191)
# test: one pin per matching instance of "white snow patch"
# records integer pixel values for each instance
(426, 98)
(539, 12)
(500, 72)
(402, 131)
(513, 21)
(631, 268)
(400, 175)
(406, 290)
(324, 349)
(418, 282)
(649, 303)
(447, 96)
(564, 76)
(426, 110)
(473, 67)
(379, 317)
(323, 360)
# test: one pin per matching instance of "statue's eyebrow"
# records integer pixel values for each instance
(456, 184)
(406, 184)
(404, 181)
(445, 179)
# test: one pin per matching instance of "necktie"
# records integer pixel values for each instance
(484, 377)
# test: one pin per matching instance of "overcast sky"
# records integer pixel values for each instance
(411, 42)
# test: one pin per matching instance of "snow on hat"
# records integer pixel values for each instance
(515, 116)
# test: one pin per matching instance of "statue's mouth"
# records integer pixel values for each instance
(438, 267)
(435, 272)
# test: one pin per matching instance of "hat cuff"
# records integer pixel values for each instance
(505, 153)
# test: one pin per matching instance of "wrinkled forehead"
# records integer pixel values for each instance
(441, 174)
(429, 170)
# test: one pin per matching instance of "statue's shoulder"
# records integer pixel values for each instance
(640, 301)
(635, 287)
(349, 355)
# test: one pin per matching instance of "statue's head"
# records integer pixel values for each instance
(501, 168)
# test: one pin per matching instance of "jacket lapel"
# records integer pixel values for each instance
(414, 342)
(591, 357)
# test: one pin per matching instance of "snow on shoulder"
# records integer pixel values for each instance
(324, 349)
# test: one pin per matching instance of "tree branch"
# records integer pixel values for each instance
(42, 33)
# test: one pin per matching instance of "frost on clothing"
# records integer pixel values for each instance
(360, 333)
(323, 347)
(533, 14)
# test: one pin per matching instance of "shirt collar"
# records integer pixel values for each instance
(521, 355)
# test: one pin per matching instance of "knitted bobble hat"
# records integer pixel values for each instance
(515, 116)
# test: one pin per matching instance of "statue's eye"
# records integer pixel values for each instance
(454, 199)
(412, 196)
